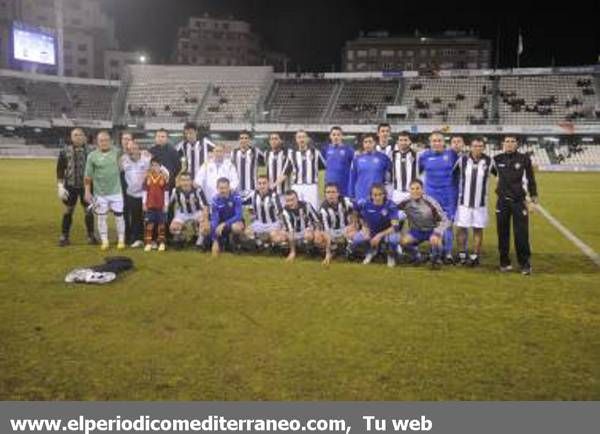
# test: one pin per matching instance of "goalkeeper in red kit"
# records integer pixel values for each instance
(155, 202)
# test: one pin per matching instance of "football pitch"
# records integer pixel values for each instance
(184, 326)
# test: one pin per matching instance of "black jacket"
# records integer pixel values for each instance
(512, 168)
(168, 157)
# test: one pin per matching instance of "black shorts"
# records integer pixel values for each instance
(74, 194)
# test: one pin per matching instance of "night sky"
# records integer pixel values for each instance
(312, 33)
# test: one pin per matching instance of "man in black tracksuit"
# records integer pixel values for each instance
(515, 180)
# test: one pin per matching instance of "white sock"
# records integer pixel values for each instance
(103, 227)
(120, 221)
(200, 240)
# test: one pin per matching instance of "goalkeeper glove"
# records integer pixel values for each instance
(63, 193)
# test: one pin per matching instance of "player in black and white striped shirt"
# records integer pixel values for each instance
(279, 166)
(190, 206)
(404, 167)
(337, 219)
(474, 169)
(246, 160)
(306, 163)
(266, 210)
(193, 152)
(300, 223)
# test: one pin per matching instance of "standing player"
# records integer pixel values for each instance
(214, 169)
(226, 217)
(135, 165)
(427, 223)
(384, 139)
(266, 209)
(279, 166)
(474, 169)
(166, 155)
(338, 161)
(246, 159)
(514, 169)
(155, 203)
(70, 173)
(457, 144)
(126, 137)
(191, 206)
(102, 173)
(385, 145)
(441, 183)
(192, 152)
(368, 168)
(306, 162)
(338, 221)
(404, 167)
(381, 220)
(300, 224)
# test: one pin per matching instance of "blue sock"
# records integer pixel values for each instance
(448, 240)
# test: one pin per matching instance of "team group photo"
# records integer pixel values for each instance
(298, 201)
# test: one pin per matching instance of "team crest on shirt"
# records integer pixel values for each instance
(384, 212)
(517, 166)
(445, 157)
(230, 203)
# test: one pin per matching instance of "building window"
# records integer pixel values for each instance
(82, 47)
(68, 59)
(83, 74)
(361, 53)
(67, 45)
(76, 21)
(114, 63)
(68, 72)
(82, 61)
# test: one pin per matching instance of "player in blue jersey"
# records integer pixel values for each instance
(226, 216)
(338, 161)
(381, 220)
(439, 165)
(368, 168)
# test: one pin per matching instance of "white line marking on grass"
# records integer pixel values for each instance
(587, 250)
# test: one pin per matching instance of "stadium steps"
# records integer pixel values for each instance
(333, 101)
(202, 104)
(495, 103)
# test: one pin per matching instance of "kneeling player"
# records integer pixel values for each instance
(226, 217)
(427, 222)
(337, 219)
(191, 206)
(266, 209)
(300, 224)
(381, 220)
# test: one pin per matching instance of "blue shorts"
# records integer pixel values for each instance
(448, 200)
(420, 236)
(155, 216)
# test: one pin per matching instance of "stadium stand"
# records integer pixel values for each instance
(364, 101)
(546, 99)
(300, 100)
(159, 92)
(459, 100)
(33, 97)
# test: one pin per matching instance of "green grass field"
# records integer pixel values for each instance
(183, 326)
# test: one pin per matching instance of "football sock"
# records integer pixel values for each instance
(120, 221)
(103, 227)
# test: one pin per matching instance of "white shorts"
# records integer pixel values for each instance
(308, 193)
(112, 202)
(471, 217)
(184, 217)
(264, 228)
(399, 196)
(337, 234)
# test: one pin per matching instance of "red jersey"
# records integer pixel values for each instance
(156, 186)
